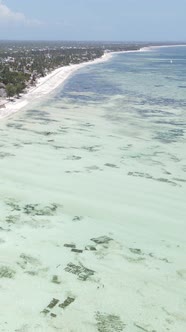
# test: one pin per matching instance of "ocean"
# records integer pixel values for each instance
(92, 199)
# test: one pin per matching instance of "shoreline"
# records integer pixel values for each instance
(50, 82)
(149, 48)
(46, 85)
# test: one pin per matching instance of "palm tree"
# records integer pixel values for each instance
(10, 90)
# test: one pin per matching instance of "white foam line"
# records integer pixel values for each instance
(150, 48)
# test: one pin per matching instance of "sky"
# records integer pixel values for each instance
(104, 20)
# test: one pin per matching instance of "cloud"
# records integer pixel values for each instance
(7, 16)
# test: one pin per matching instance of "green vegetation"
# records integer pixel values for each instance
(22, 63)
(10, 90)
(15, 81)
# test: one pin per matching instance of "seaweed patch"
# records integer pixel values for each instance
(102, 239)
(150, 177)
(81, 271)
(6, 154)
(6, 272)
(67, 302)
(37, 210)
(109, 323)
(33, 209)
(111, 165)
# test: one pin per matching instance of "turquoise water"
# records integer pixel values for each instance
(145, 86)
(104, 155)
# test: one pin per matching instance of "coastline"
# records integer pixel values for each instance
(149, 48)
(46, 85)
(50, 82)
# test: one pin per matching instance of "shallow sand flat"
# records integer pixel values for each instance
(92, 224)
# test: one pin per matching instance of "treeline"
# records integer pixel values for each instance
(44, 61)
(21, 63)
(18, 68)
(14, 81)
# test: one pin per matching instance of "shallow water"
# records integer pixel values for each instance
(102, 156)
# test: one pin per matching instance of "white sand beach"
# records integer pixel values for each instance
(45, 85)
